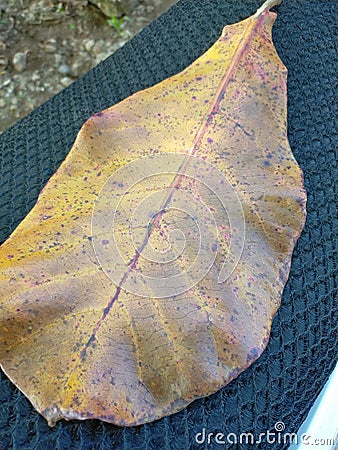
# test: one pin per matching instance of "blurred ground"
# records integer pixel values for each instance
(45, 45)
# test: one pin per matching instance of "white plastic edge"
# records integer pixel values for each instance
(320, 428)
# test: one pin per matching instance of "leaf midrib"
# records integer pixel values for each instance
(252, 25)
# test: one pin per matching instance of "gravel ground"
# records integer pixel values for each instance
(45, 45)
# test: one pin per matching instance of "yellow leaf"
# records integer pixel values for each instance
(149, 271)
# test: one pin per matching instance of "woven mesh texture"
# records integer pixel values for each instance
(284, 382)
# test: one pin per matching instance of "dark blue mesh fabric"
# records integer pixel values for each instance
(283, 384)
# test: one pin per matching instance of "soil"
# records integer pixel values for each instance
(45, 45)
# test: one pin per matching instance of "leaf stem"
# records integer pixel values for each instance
(267, 5)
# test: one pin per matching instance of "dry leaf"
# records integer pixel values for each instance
(149, 271)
